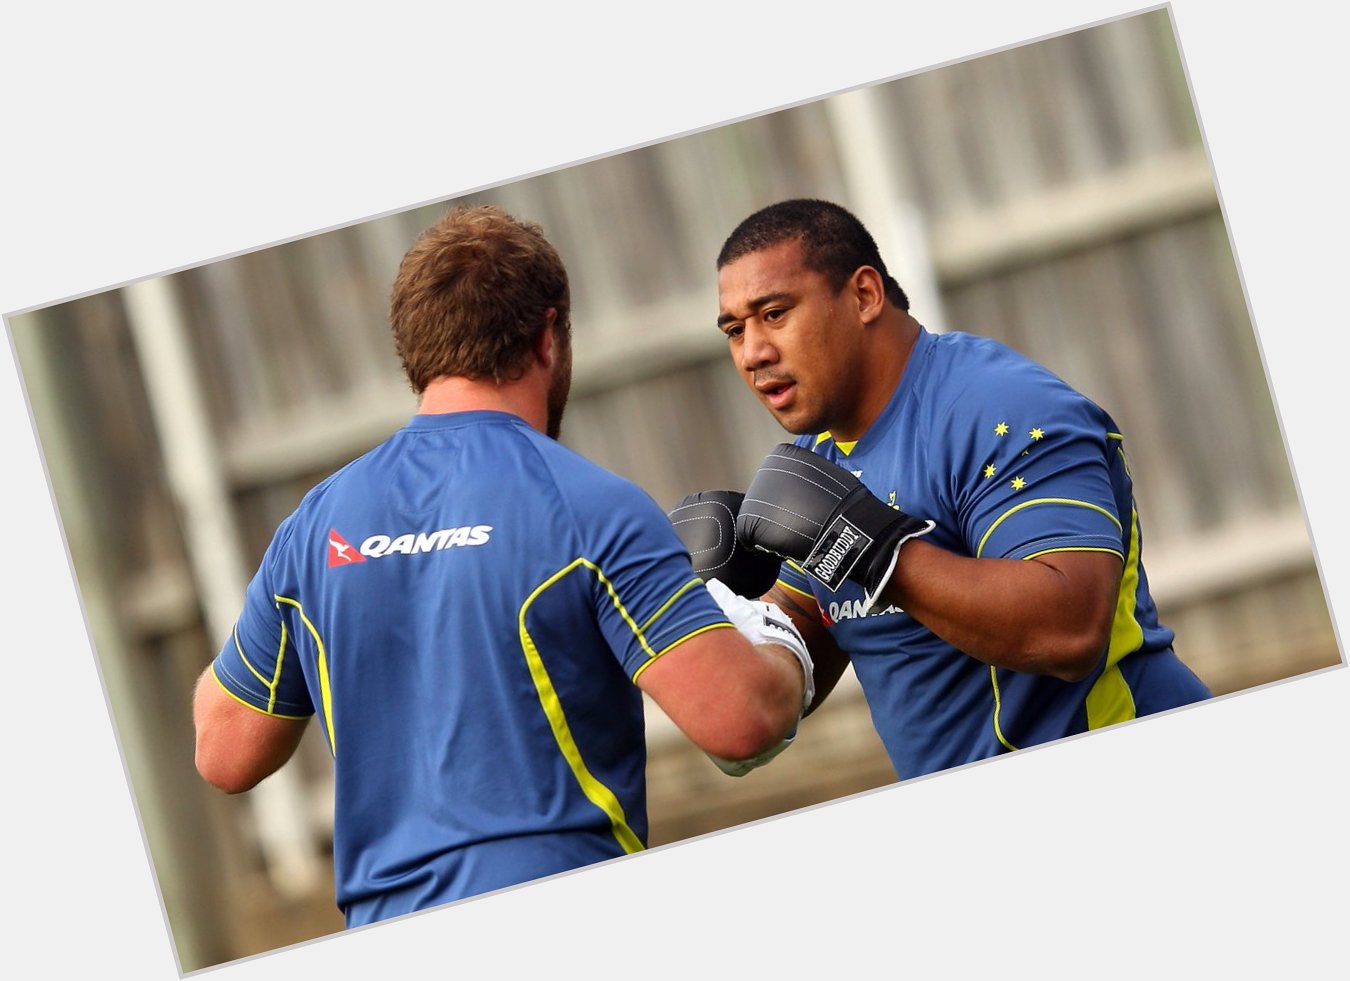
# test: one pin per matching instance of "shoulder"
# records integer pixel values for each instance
(572, 470)
(983, 359)
(313, 516)
(589, 491)
(978, 374)
(332, 486)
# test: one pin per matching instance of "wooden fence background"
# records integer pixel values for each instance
(1056, 196)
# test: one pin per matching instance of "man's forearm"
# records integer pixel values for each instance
(1048, 615)
(828, 660)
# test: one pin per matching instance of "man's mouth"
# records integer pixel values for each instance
(775, 392)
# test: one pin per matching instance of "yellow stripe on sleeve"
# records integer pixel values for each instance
(670, 602)
(674, 644)
(1076, 548)
(596, 792)
(275, 715)
(244, 657)
(324, 688)
(276, 675)
(1043, 500)
(270, 685)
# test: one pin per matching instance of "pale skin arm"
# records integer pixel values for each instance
(1049, 615)
(731, 698)
(238, 746)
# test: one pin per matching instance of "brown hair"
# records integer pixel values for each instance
(472, 294)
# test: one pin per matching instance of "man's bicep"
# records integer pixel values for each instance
(1092, 582)
(237, 745)
(720, 691)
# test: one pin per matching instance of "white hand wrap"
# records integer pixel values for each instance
(739, 768)
(765, 623)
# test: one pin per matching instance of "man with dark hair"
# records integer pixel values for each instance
(471, 611)
(956, 520)
(834, 242)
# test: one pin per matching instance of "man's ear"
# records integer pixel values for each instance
(546, 341)
(870, 292)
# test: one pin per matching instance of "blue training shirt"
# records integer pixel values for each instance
(465, 608)
(1010, 462)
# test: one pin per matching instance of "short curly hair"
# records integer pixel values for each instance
(834, 242)
(472, 294)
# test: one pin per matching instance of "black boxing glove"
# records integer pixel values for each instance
(706, 523)
(805, 508)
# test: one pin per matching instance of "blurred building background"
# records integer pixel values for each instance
(1056, 196)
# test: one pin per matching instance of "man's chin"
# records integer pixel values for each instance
(795, 424)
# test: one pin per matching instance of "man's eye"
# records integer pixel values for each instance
(771, 315)
(735, 330)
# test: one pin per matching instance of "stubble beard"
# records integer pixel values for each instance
(558, 391)
(799, 420)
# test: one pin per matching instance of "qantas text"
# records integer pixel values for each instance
(377, 546)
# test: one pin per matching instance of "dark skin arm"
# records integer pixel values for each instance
(829, 661)
(1049, 615)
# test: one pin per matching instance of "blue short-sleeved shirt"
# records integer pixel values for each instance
(465, 610)
(1010, 462)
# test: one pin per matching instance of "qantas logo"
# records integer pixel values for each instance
(340, 551)
(832, 613)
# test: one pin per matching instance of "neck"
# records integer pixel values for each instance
(889, 343)
(525, 398)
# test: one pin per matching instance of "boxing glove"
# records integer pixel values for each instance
(706, 523)
(802, 507)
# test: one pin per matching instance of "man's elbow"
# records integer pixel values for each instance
(1073, 669)
(748, 733)
(746, 740)
(1076, 658)
(223, 773)
(1073, 635)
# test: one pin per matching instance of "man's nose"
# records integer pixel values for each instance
(757, 348)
